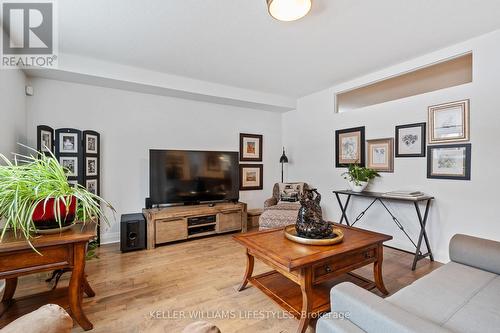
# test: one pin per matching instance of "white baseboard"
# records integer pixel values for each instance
(110, 237)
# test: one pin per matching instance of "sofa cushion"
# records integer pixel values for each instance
(331, 325)
(286, 206)
(277, 218)
(441, 294)
(481, 313)
(476, 252)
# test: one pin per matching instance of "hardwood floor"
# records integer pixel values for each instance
(147, 291)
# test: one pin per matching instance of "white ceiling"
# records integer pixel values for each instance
(236, 43)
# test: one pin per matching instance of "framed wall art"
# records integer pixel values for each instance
(251, 147)
(449, 161)
(91, 166)
(73, 183)
(251, 177)
(45, 139)
(449, 122)
(350, 146)
(70, 163)
(410, 140)
(91, 142)
(381, 154)
(92, 186)
(68, 143)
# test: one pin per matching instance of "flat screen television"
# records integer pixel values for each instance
(188, 177)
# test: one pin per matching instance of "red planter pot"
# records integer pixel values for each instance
(44, 217)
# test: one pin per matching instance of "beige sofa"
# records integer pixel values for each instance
(459, 297)
(279, 214)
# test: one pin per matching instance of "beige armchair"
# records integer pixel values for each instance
(278, 214)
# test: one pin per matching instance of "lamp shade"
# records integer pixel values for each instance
(288, 10)
(283, 158)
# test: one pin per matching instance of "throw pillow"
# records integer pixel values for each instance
(50, 318)
(290, 192)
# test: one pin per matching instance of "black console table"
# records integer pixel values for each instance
(380, 197)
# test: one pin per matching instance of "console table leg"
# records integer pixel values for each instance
(343, 208)
(305, 280)
(423, 234)
(377, 271)
(76, 287)
(248, 272)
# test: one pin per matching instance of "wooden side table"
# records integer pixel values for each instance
(64, 250)
(302, 275)
(253, 217)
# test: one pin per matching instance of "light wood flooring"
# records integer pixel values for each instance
(200, 275)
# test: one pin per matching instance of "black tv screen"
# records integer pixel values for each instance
(180, 176)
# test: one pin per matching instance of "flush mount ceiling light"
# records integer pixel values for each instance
(288, 10)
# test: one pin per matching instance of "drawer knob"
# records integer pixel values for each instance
(328, 269)
(368, 255)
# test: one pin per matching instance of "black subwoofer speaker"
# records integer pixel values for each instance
(132, 232)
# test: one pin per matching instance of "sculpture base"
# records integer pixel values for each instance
(291, 234)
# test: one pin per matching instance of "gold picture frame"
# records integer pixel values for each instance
(381, 154)
(449, 122)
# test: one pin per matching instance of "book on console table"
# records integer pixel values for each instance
(404, 194)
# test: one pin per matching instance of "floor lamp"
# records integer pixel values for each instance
(283, 160)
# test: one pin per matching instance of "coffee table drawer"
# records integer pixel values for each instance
(336, 266)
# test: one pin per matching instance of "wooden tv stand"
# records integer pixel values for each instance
(170, 224)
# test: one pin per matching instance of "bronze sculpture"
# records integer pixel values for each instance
(310, 223)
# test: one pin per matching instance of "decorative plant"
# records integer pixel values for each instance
(29, 181)
(359, 174)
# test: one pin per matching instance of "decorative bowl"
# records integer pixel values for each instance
(291, 234)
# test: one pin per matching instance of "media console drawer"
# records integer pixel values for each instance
(169, 230)
(230, 221)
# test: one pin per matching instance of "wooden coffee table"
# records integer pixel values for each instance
(303, 274)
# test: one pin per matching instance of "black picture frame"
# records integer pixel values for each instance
(362, 149)
(261, 177)
(76, 152)
(94, 180)
(87, 161)
(260, 137)
(39, 141)
(76, 174)
(467, 163)
(423, 133)
(93, 153)
(87, 136)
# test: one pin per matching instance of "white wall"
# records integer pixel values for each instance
(461, 206)
(12, 111)
(131, 123)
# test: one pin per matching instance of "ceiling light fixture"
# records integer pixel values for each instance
(288, 10)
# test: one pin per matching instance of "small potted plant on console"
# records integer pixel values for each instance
(358, 177)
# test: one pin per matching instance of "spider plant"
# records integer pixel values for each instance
(29, 181)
